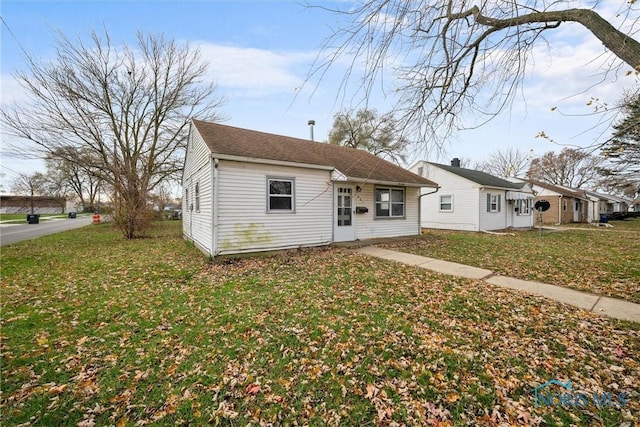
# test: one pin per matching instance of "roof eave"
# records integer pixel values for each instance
(392, 183)
(520, 190)
(270, 161)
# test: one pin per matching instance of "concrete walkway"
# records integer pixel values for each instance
(612, 307)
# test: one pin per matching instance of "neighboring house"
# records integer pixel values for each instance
(605, 204)
(567, 205)
(634, 206)
(473, 200)
(249, 191)
(619, 204)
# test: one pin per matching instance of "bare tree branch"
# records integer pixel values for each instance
(456, 63)
(125, 109)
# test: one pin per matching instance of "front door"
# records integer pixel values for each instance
(576, 211)
(344, 229)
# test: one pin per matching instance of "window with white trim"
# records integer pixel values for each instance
(446, 203)
(493, 202)
(389, 202)
(280, 195)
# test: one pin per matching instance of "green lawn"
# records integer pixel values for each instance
(97, 330)
(603, 261)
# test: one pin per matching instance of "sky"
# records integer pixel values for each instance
(260, 52)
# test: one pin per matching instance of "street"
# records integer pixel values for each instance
(12, 233)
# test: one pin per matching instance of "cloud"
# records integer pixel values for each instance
(11, 91)
(570, 71)
(253, 72)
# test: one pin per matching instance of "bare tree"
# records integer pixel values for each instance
(75, 170)
(367, 130)
(161, 197)
(570, 168)
(57, 185)
(445, 52)
(29, 185)
(510, 162)
(127, 107)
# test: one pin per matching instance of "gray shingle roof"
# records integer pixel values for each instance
(355, 164)
(480, 177)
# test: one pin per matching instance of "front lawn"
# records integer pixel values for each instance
(97, 330)
(604, 261)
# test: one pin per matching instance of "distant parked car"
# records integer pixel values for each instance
(177, 214)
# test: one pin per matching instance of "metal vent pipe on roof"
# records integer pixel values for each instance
(311, 123)
(455, 162)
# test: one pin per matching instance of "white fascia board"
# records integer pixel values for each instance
(270, 162)
(390, 183)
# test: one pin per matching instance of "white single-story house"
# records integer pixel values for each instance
(249, 191)
(602, 204)
(473, 200)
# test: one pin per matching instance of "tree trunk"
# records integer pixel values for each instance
(623, 46)
(620, 44)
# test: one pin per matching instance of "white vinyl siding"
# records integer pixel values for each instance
(493, 215)
(245, 225)
(197, 206)
(368, 227)
(465, 194)
(470, 204)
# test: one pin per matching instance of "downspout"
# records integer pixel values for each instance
(480, 204)
(420, 208)
(214, 211)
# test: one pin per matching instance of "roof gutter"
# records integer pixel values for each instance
(398, 184)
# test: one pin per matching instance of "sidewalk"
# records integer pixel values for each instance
(612, 307)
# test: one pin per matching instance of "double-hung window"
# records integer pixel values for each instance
(280, 195)
(389, 202)
(446, 203)
(493, 202)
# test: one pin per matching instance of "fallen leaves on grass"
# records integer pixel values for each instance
(604, 262)
(317, 337)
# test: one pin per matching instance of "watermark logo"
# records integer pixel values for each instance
(556, 393)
